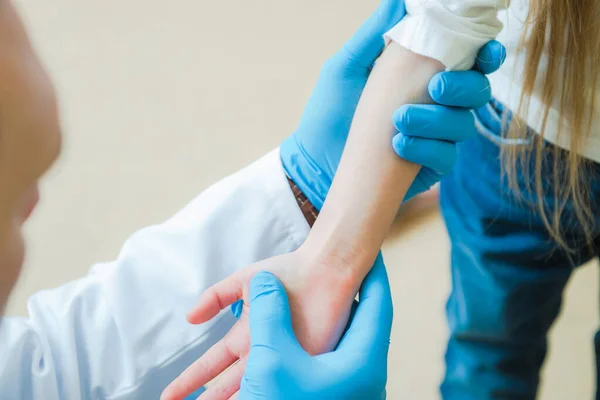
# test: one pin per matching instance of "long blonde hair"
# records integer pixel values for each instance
(567, 32)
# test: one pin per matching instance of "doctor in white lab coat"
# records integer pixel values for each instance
(121, 332)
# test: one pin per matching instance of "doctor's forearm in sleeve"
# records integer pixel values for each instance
(120, 332)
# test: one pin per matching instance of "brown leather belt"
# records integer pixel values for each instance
(309, 211)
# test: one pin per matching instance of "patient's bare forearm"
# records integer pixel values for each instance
(372, 180)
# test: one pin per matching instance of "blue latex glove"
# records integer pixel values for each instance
(311, 155)
(279, 369)
(429, 133)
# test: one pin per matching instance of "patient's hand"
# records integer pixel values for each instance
(321, 293)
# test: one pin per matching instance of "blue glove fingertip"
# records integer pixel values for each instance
(467, 89)
(437, 86)
(491, 57)
(400, 118)
(264, 283)
(399, 144)
(237, 308)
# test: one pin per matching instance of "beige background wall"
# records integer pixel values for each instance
(162, 98)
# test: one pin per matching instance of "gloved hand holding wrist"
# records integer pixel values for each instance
(279, 369)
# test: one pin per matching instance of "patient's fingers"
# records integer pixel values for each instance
(216, 298)
(206, 368)
(235, 396)
(216, 360)
(226, 385)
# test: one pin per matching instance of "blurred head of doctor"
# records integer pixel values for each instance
(29, 139)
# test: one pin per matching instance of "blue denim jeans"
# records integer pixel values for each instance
(508, 275)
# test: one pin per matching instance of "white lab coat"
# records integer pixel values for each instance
(121, 333)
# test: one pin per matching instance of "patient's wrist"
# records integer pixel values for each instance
(343, 261)
(327, 255)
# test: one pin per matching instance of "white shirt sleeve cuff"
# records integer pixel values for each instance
(454, 40)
